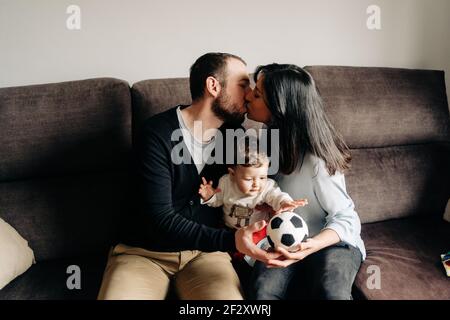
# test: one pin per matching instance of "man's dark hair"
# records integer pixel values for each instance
(212, 64)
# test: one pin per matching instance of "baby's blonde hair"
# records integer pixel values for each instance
(251, 156)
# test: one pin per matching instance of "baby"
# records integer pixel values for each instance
(245, 187)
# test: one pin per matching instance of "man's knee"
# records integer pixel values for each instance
(133, 278)
(203, 289)
(209, 277)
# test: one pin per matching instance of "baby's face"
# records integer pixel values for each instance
(249, 180)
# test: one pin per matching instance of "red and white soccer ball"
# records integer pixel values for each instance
(287, 230)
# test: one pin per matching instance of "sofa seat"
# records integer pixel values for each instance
(407, 252)
(46, 280)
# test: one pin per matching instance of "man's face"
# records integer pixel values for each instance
(229, 105)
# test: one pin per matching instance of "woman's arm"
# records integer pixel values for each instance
(325, 238)
(159, 218)
(342, 222)
(280, 201)
(332, 196)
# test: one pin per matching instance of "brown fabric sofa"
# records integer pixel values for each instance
(65, 151)
(396, 123)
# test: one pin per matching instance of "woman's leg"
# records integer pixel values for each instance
(269, 283)
(332, 271)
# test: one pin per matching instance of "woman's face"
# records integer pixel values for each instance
(256, 103)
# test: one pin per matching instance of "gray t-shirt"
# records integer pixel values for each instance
(200, 151)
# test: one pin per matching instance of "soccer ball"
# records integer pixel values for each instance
(287, 230)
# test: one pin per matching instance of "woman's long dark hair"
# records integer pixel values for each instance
(297, 111)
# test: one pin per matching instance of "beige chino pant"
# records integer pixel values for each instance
(138, 274)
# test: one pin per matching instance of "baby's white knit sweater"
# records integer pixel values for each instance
(239, 209)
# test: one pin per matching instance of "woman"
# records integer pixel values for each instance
(312, 159)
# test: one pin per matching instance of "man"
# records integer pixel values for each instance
(174, 237)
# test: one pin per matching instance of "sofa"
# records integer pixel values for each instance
(66, 187)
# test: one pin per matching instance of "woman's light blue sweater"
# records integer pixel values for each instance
(329, 205)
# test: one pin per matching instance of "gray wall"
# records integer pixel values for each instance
(139, 39)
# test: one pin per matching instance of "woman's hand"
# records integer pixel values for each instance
(244, 243)
(206, 190)
(326, 237)
(304, 249)
(291, 205)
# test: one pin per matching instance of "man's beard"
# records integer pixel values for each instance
(226, 111)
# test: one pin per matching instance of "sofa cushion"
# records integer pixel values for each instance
(447, 212)
(65, 150)
(376, 107)
(399, 181)
(48, 280)
(15, 254)
(407, 253)
(67, 216)
(64, 128)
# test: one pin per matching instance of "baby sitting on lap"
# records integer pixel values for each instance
(243, 188)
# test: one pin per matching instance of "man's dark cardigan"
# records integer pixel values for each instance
(169, 216)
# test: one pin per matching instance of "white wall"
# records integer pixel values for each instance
(141, 39)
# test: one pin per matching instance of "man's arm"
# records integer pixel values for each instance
(167, 225)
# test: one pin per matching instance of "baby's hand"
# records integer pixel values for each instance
(206, 190)
(291, 205)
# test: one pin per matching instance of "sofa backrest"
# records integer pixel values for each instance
(396, 122)
(151, 97)
(64, 151)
